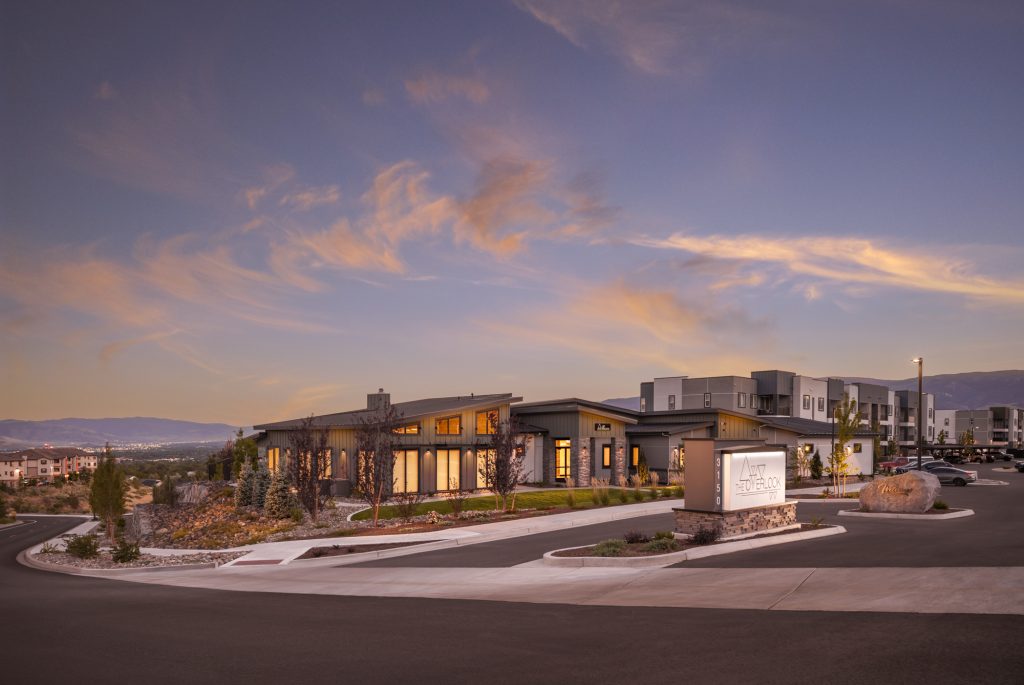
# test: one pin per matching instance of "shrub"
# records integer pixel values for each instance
(662, 545)
(456, 498)
(609, 548)
(939, 504)
(83, 546)
(706, 536)
(654, 484)
(623, 495)
(635, 536)
(406, 504)
(298, 516)
(125, 552)
(49, 548)
(433, 518)
(816, 522)
(599, 489)
(664, 535)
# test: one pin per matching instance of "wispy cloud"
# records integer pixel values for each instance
(856, 261)
(435, 86)
(274, 176)
(308, 198)
(661, 36)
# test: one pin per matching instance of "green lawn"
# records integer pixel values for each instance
(540, 499)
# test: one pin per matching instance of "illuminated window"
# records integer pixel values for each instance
(486, 422)
(273, 459)
(606, 456)
(857, 448)
(481, 466)
(411, 429)
(450, 425)
(448, 470)
(329, 469)
(563, 459)
(635, 456)
(406, 475)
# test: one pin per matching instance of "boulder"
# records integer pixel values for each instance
(913, 492)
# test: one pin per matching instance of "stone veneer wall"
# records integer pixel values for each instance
(741, 522)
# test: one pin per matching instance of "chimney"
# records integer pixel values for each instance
(378, 400)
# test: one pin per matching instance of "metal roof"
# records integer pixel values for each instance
(407, 411)
(658, 428)
(572, 404)
(808, 427)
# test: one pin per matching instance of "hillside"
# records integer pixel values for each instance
(122, 431)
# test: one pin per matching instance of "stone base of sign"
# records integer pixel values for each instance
(733, 523)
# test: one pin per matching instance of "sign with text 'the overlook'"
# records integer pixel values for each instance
(753, 479)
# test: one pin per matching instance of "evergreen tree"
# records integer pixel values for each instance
(242, 451)
(243, 488)
(816, 466)
(260, 485)
(279, 500)
(108, 492)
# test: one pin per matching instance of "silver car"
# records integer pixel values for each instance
(949, 475)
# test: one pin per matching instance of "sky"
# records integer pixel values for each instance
(250, 211)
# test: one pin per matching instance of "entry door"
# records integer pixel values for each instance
(563, 460)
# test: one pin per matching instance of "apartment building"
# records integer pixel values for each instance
(999, 425)
(945, 422)
(906, 419)
(673, 393)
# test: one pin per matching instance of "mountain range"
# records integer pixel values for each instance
(971, 390)
(96, 432)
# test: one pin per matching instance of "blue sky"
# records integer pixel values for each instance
(247, 211)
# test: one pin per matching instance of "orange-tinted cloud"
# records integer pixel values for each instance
(309, 198)
(433, 87)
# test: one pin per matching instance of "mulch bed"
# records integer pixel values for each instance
(637, 549)
(343, 550)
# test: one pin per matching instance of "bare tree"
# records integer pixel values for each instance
(502, 466)
(376, 440)
(309, 466)
(847, 420)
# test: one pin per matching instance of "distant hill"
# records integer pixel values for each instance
(625, 402)
(97, 432)
(972, 390)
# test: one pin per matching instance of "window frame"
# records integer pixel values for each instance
(741, 400)
(493, 426)
(806, 402)
(563, 470)
(671, 402)
(707, 400)
(448, 469)
(447, 420)
(606, 456)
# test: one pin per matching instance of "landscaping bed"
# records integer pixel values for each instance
(826, 495)
(104, 560)
(344, 550)
(931, 512)
(660, 544)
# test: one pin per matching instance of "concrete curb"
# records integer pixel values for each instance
(827, 500)
(12, 524)
(919, 517)
(27, 559)
(685, 555)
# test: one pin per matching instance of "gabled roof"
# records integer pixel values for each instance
(574, 404)
(807, 427)
(407, 411)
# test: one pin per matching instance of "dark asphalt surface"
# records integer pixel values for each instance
(57, 628)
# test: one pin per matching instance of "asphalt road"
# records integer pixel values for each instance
(57, 628)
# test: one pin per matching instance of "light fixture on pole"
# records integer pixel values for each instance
(920, 411)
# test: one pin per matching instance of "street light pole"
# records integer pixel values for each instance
(920, 405)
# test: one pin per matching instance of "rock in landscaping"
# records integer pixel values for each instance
(913, 492)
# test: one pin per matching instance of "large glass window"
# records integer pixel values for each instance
(407, 471)
(448, 470)
(273, 458)
(563, 459)
(606, 456)
(741, 400)
(807, 401)
(449, 425)
(486, 422)
(482, 456)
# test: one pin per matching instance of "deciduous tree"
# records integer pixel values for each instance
(502, 465)
(309, 465)
(376, 440)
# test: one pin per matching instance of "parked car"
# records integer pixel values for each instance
(1020, 466)
(949, 475)
(912, 464)
(1000, 455)
(938, 463)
